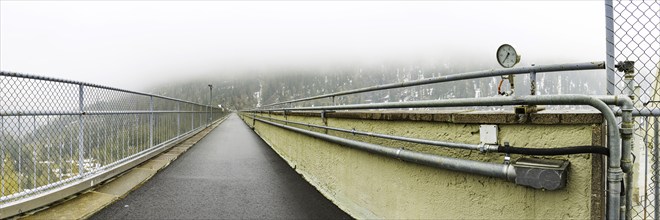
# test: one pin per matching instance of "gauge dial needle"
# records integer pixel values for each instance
(507, 56)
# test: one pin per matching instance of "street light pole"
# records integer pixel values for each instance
(209, 113)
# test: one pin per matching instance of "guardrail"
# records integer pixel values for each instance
(530, 71)
(619, 137)
(58, 137)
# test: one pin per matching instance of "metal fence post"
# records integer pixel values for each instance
(209, 114)
(609, 46)
(151, 121)
(20, 156)
(612, 209)
(656, 169)
(50, 145)
(34, 152)
(2, 159)
(178, 119)
(81, 131)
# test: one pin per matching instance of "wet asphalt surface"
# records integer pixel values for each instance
(229, 174)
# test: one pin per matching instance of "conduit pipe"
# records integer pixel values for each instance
(398, 138)
(652, 112)
(485, 148)
(614, 172)
(627, 124)
(554, 151)
(502, 171)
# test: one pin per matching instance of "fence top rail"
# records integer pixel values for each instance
(93, 112)
(461, 76)
(52, 79)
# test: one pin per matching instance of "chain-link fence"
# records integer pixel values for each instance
(634, 35)
(54, 132)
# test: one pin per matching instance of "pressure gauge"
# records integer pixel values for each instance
(507, 56)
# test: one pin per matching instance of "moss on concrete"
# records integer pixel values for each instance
(80, 207)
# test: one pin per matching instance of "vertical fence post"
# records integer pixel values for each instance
(178, 119)
(34, 152)
(209, 114)
(612, 209)
(609, 46)
(656, 169)
(151, 121)
(50, 145)
(81, 131)
(20, 156)
(2, 159)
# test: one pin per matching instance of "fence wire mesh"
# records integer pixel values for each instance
(56, 132)
(636, 33)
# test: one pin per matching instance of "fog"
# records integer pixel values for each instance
(134, 45)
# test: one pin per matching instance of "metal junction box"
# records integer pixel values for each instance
(541, 173)
(488, 134)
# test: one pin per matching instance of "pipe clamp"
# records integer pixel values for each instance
(615, 174)
(626, 131)
(482, 147)
(398, 152)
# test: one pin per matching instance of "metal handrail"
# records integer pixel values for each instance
(461, 76)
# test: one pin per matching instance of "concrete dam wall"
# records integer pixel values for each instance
(368, 185)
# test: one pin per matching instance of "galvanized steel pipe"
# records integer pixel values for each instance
(627, 123)
(391, 137)
(502, 171)
(646, 112)
(462, 76)
(614, 144)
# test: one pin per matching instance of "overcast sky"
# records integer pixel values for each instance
(131, 44)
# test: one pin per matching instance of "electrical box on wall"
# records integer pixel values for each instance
(488, 134)
(541, 173)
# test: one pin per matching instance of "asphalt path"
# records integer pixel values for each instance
(229, 174)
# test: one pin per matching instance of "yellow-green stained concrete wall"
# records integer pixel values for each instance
(366, 185)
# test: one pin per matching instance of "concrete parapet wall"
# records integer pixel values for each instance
(366, 185)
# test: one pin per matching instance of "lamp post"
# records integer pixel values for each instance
(209, 113)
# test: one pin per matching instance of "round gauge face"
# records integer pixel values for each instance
(507, 56)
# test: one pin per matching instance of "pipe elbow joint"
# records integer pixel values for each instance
(625, 102)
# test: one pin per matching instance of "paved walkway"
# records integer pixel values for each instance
(230, 174)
